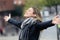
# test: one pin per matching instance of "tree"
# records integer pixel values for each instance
(50, 3)
(41, 3)
(36, 3)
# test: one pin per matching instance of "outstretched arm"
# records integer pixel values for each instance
(44, 25)
(12, 21)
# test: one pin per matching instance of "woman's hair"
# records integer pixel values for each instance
(37, 12)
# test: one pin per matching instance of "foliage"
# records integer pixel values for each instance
(36, 3)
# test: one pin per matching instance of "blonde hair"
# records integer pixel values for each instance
(38, 14)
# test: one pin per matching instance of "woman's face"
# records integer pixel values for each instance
(29, 13)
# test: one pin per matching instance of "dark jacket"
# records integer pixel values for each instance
(31, 30)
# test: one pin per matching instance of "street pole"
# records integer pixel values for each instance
(57, 25)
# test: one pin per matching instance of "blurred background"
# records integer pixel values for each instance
(48, 9)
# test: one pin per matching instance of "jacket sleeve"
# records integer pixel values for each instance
(43, 25)
(14, 22)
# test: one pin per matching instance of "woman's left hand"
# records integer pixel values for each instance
(56, 20)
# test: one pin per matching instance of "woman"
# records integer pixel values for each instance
(32, 25)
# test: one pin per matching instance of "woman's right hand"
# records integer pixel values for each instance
(56, 20)
(6, 18)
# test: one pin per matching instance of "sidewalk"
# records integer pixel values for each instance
(9, 37)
